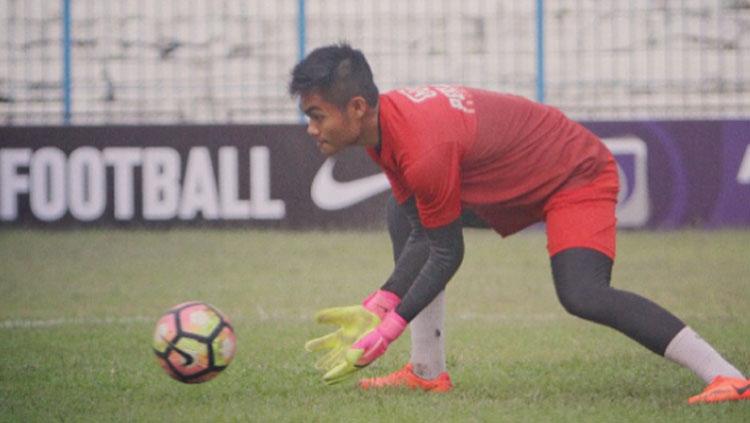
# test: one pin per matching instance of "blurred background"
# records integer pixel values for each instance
(91, 62)
(145, 103)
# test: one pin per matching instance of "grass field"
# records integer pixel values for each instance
(77, 311)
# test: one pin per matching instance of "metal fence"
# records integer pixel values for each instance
(92, 62)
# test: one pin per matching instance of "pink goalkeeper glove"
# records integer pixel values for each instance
(375, 343)
(381, 302)
(368, 348)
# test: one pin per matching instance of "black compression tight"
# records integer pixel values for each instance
(582, 278)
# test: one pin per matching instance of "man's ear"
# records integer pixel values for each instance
(358, 106)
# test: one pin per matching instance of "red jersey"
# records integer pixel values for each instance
(500, 155)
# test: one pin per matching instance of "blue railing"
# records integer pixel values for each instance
(66, 54)
(302, 39)
(301, 29)
(540, 51)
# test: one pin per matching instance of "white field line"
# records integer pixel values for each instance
(125, 320)
(262, 315)
(72, 321)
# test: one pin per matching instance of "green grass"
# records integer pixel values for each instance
(77, 310)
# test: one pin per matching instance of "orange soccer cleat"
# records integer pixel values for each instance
(406, 378)
(721, 389)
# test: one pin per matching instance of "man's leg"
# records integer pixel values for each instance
(581, 234)
(582, 278)
(427, 344)
(582, 283)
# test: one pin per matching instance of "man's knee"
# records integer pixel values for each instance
(582, 279)
(584, 302)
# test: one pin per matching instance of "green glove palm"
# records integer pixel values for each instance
(354, 322)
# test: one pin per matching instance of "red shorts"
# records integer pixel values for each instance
(584, 216)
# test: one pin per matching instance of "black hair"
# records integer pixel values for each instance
(338, 73)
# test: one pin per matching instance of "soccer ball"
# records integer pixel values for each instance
(194, 342)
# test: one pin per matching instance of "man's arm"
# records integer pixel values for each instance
(412, 254)
(426, 264)
(428, 261)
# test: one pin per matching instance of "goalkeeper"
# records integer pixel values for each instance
(511, 161)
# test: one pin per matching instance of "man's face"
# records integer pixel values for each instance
(334, 129)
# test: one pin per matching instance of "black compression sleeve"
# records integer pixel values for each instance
(446, 251)
(411, 254)
(399, 227)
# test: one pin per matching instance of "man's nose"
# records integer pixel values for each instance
(312, 130)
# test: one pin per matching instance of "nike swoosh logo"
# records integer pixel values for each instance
(330, 194)
(742, 390)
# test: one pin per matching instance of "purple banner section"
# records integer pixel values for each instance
(673, 174)
(697, 173)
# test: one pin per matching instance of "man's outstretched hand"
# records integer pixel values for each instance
(368, 348)
(353, 322)
(353, 344)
